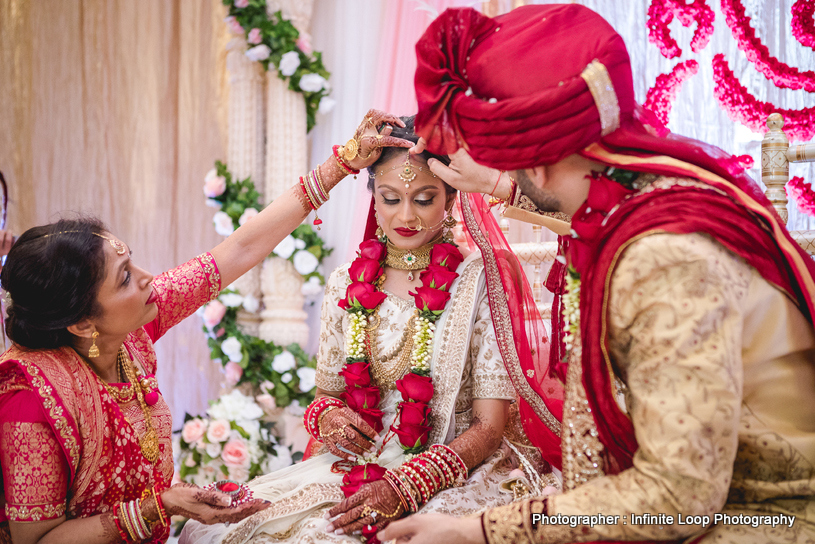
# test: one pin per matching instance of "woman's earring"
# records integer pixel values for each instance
(94, 351)
(448, 224)
(379, 232)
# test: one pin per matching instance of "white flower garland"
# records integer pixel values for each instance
(422, 345)
(355, 338)
(571, 309)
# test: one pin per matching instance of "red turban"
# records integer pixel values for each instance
(511, 88)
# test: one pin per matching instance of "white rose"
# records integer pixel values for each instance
(212, 203)
(295, 409)
(251, 303)
(247, 214)
(299, 244)
(276, 462)
(267, 386)
(286, 378)
(285, 248)
(218, 430)
(238, 474)
(231, 300)
(312, 287)
(289, 63)
(326, 104)
(259, 52)
(232, 348)
(307, 378)
(283, 362)
(305, 262)
(235, 406)
(214, 449)
(313, 83)
(223, 224)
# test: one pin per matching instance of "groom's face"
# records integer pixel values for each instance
(532, 186)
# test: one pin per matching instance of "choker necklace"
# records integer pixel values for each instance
(410, 259)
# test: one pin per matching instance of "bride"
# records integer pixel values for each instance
(412, 393)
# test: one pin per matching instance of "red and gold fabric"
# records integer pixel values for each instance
(68, 448)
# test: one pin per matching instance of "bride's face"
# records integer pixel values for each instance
(401, 210)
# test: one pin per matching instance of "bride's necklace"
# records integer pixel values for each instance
(386, 374)
(410, 259)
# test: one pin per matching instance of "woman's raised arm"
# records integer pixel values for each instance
(255, 240)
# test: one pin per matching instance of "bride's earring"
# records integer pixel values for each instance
(379, 232)
(448, 224)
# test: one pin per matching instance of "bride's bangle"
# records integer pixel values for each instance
(342, 163)
(311, 419)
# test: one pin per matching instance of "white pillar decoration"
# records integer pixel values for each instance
(245, 153)
(283, 318)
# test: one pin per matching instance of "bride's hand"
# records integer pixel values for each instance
(370, 509)
(205, 505)
(371, 136)
(344, 428)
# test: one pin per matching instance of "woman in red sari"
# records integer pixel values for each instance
(85, 444)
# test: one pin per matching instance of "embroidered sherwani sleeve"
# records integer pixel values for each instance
(331, 352)
(490, 378)
(675, 318)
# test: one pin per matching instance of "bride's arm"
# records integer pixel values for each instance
(484, 435)
(252, 242)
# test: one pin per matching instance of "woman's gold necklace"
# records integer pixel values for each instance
(386, 375)
(410, 259)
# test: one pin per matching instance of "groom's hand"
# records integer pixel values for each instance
(434, 529)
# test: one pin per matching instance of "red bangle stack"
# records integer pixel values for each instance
(311, 419)
(342, 163)
(418, 480)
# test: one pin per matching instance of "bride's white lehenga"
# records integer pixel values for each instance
(466, 365)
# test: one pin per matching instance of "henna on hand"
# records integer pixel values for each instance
(109, 530)
(476, 443)
(355, 511)
(371, 141)
(344, 428)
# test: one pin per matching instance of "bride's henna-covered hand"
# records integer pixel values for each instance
(206, 506)
(344, 428)
(375, 504)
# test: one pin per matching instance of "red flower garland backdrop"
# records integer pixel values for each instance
(786, 77)
(802, 194)
(660, 97)
(660, 15)
(803, 22)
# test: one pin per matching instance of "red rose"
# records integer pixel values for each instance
(362, 295)
(360, 398)
(415, 388)
(413, 413)
(372, 417)
(446, 255)
(356, 374)
(430, 299)
(366, 270)
(361, 475)
(437, 277)
(372, 249)
(412, 436)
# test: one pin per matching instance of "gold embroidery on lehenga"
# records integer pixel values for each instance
(503, 324)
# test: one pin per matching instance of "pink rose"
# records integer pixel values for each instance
(266, 401)
(233, 25)
(214, 312)
(247, 214)
(214, 185)
(304, 43)
(238, 474)
(254, 36)
(218, 431)
(241, 3)
(236, 454)
(193, 430)
(233, 373)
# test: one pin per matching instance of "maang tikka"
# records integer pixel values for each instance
(407, 174)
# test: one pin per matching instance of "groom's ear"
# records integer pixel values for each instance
(537, 175)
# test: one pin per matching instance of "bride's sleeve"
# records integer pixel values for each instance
(490, 378)
(331, 352)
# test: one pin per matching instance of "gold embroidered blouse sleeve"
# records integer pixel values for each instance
(490, 378)
(675, 315)
(331, 352)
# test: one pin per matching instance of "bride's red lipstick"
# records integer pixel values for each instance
(407, 233)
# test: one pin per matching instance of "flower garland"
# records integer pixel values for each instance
(570, 311)
(802, 194)
(277, 42)
(361, 300)
(660, 15)
(782, 75)
(744, 108)
(239, 201)
(660, 97)
(803, 22)
(284, 376)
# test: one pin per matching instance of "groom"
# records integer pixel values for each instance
(688, 405)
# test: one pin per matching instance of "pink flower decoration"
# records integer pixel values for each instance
(782, 75)
(304, 43)
(233, 373)
(802, 194)
(241, 3)
(214, 313)
(193, 430)
(803, 22)
(660, 97)
(660, 15)
(233, 25)
(254, 36)
(744, 108)
(218, 431)
(236, 454)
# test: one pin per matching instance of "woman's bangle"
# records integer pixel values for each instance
(345, 166)
(118, 522)
(311, 418)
